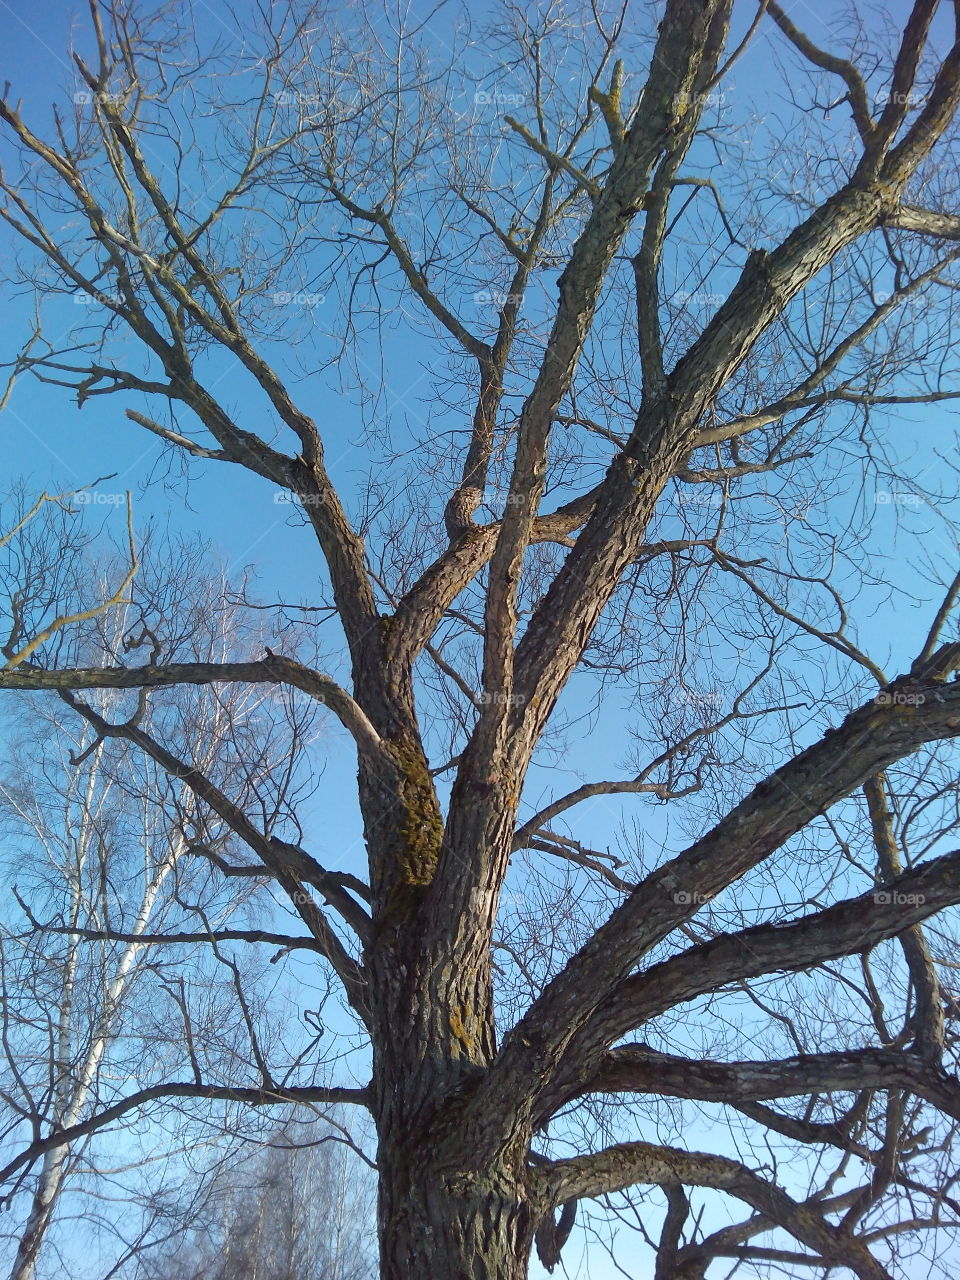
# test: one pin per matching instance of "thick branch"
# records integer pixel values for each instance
(846, 928)
(889, 727)
(639, 1069)
(274, 669)
(630, 1163)
(926, 222)
(667, 424)
(848, 73)
(284, 1096)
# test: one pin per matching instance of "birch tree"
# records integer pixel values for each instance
(111, 905)
(665, 342)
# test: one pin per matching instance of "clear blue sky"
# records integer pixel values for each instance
(46, 440)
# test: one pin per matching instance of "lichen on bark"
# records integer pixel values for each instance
(421, 822)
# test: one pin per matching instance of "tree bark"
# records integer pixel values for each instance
(41, 1212)
(442, 1213)
(435, 1226)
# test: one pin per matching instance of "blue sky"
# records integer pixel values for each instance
(52, 445)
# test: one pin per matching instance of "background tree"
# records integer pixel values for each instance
(122, 945)
(296, 1207)
(665, 341)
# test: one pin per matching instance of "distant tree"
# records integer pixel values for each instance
(621, 352)
(302, 1207)
(116, 937)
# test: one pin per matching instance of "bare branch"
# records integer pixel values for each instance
(274, 669)
(630, 1163)
(274, 854)
(281, 1096)
(14, 660)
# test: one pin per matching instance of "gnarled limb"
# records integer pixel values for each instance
(792, 946)
(873, 736)
(629, 1163)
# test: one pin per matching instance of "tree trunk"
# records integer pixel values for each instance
(440, 1224)
(445, 1211)
(41, 1211)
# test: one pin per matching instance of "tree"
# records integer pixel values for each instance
(117, 938)
(666, 343)
(295, 1209)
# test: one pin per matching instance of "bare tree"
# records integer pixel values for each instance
(111, 911)
(667, 342)
(298, 1208)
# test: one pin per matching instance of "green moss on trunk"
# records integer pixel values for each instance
(421, 823)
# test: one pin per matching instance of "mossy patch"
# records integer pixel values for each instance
(460, 1022)
(421, 823)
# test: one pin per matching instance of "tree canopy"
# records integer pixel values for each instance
(584, 346)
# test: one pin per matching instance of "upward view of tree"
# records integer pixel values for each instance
(652, 712)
